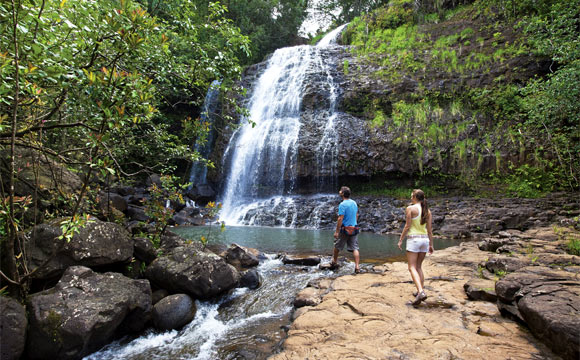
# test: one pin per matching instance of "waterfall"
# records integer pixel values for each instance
(199, 169)
(262, 157)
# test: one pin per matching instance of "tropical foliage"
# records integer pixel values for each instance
(530, 125)
(89, 83)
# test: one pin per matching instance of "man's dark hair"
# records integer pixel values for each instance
(345, 191)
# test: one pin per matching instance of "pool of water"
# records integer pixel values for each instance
(374, 248)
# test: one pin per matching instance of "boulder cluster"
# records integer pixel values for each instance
(106, 282)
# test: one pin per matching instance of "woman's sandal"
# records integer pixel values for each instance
(356, 271)
(419, 297)
(333, 266)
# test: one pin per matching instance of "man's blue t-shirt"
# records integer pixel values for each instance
(348, 208)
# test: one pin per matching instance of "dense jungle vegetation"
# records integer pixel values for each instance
(113, 89)
(535, 118)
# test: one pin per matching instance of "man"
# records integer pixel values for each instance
(346, 229)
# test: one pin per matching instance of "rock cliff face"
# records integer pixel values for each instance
(372, 143)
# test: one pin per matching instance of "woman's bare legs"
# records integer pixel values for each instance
(414, 261)
(420, 258)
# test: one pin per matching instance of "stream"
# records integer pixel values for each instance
(251, 324)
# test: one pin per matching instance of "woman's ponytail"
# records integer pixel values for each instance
(420, 196)
(424, 211)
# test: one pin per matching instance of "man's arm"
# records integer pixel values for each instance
(338, 225)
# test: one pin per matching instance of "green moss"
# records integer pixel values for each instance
(52, 326)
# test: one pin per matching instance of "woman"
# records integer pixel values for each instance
(419, 240)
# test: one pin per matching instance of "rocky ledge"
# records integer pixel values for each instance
(367, 316)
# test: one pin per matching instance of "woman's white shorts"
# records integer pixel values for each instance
(418, 243)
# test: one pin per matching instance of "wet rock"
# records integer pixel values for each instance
(13, 324)
(251, 279)
(295, 260)
(241, 257)
(185, 269)
(480, 289)
(173, 312)
(546, 300)
(84, 312)
(308, 297)
(96, 244)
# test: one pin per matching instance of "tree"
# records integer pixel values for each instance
(83, 82)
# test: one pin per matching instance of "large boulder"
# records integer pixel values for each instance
(98, 243)
(185, 269)
(547, 301)
(144, 250)
(241, 257)
(84, 312)
(12, 328)
(173, 312)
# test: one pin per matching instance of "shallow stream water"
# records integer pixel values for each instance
(250, 324)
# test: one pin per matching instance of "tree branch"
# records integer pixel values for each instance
(49, 127)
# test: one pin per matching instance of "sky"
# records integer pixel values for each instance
(315, 21)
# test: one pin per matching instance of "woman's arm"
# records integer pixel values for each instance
(430, 233)
(408, 218)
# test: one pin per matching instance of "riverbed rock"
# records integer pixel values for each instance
(185, 269)
(546, 300)
(496, 264)
(173, 312)
(251, 279)
(84, 312)
(241, 257)
(96, 244)
(370, 310)
(300, 260)
(309, 296)
(492, 244)
(13, 324)
(480, 289)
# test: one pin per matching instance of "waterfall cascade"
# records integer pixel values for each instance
(199, 169)
(263, 159)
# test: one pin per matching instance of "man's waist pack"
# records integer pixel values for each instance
(349, 230)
